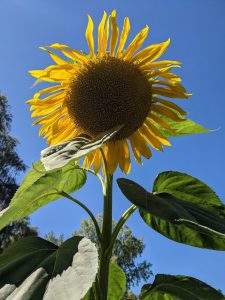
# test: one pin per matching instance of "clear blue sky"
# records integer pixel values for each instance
(197, 32)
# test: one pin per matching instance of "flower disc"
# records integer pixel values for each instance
(109, 92)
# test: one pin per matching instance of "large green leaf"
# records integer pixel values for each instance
(39, 188)
(181, 208)
(187, 187)
(30, 265)
(30, 253)
(117, 282)
(77, 279)
(168, 287)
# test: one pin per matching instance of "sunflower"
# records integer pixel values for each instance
(114, 85)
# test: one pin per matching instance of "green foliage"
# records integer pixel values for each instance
(130, 296)
(187, 187)
(14, 231)
(28, 254)
(30, 263)
(50, 236)
(117, 282)
(126, 250)
(182, 208)
(11, 164)
(179, 288)
(181, 128)
(40, 187)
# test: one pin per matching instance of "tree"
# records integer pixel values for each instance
(126, 250)
(10, 165)
(50, 236)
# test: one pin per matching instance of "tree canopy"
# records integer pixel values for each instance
(10, 166)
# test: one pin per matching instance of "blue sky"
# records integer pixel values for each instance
(197, 31)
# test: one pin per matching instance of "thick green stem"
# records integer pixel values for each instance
(106, 234)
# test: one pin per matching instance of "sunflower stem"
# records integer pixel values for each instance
(106, 234)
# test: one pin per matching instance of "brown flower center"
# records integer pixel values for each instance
(109, 92)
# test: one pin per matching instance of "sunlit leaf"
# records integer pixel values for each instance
(39, 188)
(181, 128)
(117, 282)
(177, 287)
(181, 208)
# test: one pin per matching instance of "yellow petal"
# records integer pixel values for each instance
(152, 140)
(101, 34)
(89, 36)
(114, 32)
(54, 73)
(169, 93)
(44, 111)
(137, 154)
(42, 106)
(47, 91)
(97, 161)
(136, 43)
(55, 57)
(170, 104)
(172, 85)
(138, 142)
(46, 128)
(112, 156)
(70, 52)
(88, 161)
(47, 101)
(62, 130)
(160, 64)
(164, 73)
(163, 110)
(151, 53)
(159, 121)
(123, 36)
(50, 118)
(105, 38)
(160, 72)
(157, 134)
(124, 156)
(170, 77)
